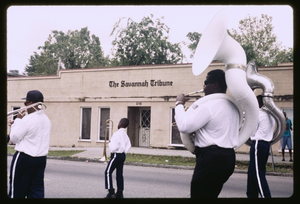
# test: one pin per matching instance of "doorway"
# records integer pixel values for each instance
(139, 126)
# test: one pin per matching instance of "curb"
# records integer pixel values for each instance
(82, 159)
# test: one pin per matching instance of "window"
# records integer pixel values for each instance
(15, 108)
(145, 118)
(85, 123)
(175, 134)
(289, 113)
(104, 115)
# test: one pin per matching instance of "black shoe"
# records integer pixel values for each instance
(111, 193)
(119, 194)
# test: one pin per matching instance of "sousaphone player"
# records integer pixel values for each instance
(216, 127)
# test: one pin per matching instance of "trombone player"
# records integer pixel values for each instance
(31, 134)
(216, 126)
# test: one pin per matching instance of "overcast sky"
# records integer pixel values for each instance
(29, 26)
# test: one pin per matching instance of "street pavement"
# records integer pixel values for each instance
(73, 179)
(69, 179)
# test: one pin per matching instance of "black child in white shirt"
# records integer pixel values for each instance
(118, 146)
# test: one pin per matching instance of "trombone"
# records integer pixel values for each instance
(37, 106)
(108, 125)
(191, 94)
(194, 93)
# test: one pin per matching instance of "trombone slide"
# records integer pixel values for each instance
(194, 93)
(21, 110)
(107, 127)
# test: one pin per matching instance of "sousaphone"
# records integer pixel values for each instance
(216, 44)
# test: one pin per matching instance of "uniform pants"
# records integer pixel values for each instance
(27, 176)
(116, 162)
(214, 165)
(256, 181)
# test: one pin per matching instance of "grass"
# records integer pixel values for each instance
(169, 160)
(190, 161)
(279, 167)
(156, 159)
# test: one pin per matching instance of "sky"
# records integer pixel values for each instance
(29, 26)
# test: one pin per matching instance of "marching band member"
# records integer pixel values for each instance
(216, 125)
(286, 139)
(118, 146)
(31, 134)
(259, 153)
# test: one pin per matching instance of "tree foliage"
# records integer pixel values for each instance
(74, 49)
(147, 43)
(285, 55)
(41, 64)
(256, 37)
(258, 40)
(144, 43)
(194, 37)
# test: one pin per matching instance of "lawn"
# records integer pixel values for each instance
(156, 159)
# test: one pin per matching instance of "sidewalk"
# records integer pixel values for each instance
(97, 153)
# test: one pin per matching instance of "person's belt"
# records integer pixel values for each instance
(208, 147)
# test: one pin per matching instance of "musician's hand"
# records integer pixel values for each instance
(10, 122)
(182, 98)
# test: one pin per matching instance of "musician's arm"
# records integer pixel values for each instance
(18, 130)
(190, 121)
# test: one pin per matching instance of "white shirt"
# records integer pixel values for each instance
(265, 127)
(120, 142)
(31, 134)
(215, 122)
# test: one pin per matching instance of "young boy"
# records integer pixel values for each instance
(118, 146)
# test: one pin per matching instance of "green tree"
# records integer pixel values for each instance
(258, 40)
(74, 49)
(285, 55)
(144, 43)
(41, 64)
(194, 37)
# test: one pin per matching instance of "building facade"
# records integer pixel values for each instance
(81, 101)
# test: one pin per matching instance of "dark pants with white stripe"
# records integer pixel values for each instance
(257, 182)
(27, 176)
(214, 165)
(116, 162)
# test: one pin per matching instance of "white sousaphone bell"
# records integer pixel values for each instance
(216, 44)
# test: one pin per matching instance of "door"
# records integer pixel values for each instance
(145, 123)
(134, 124)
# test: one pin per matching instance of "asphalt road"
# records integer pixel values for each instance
(73, 179)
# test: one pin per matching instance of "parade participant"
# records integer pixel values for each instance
(118, 146)
(31, 134)
(286, 139)
(216, 125)
(259, 153)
